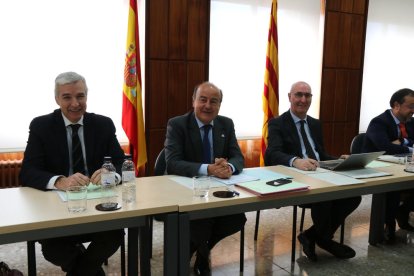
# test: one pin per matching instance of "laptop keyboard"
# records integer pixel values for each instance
(329, 165)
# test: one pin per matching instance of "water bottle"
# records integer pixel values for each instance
(108, 182)
(128, 180)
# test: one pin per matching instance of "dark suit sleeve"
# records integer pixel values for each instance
(35, 172)
(279, 144)
(177, 147)
(379, 136)
(100, 141)
(233, 155)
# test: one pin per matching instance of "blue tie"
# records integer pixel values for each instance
(206, 145)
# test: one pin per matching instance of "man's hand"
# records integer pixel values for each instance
(305, 164)
(397, 142)
(96, 177)
(77, 179)
(220, 168)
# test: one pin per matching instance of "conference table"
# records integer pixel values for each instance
(191, 208)
(29, 214)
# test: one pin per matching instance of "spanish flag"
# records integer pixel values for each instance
(271, 83)
(132, 115)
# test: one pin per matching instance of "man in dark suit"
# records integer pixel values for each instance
(49, 164)
(187, 156)
(393, 131)
(295, 140)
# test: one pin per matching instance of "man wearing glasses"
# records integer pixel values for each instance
(295, 140)
(393, 131)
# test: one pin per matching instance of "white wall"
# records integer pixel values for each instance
(39, 40)
(238, 41)
(389, 58)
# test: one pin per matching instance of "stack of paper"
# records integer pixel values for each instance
(260, 188)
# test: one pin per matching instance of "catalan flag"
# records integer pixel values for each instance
(271, 82)
(132, 115)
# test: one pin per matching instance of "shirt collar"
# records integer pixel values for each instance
(296, 119)
(200, 123)
(395, 118)
(68, 123)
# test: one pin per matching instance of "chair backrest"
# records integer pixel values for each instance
(160, 166)
(357, 143)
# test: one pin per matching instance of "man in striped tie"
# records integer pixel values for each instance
(393, 132)
(295, 140)
(67, 148)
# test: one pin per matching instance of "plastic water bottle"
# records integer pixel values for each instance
(108, 182)
(128, 180)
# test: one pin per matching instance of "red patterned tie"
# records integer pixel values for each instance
(403, 130)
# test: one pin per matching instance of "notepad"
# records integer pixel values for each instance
(260, 188)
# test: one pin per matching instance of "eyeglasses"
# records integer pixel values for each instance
(299, 95)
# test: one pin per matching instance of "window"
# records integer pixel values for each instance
(46, 37)
(238, 41)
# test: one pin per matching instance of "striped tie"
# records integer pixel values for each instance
(78, 164)
(309, 151)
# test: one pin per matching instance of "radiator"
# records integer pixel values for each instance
(9, 173)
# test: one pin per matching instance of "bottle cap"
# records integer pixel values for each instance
(107, 158)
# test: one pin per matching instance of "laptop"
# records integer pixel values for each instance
(353, 162)
(354, 165)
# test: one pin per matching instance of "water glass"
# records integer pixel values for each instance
(409, 164)
(77, 196)
(201, 185)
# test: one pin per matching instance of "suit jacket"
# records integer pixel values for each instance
(382, 130)
(47, 152)
(284, 142)
(184, 149)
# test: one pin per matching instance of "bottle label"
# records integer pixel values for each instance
(108, 178)
(128, 176)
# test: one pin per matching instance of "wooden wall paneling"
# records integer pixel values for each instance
(198, 15)
(178, 23)
(357, 42)
(354, 97)
(327, 94)
(331, 40)
(177, 88)
(344, 40)
(347, 6)
(340, 94)
(157, 94)
(344, 43)
(196, 74)
(156, 29)
(360, 7)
